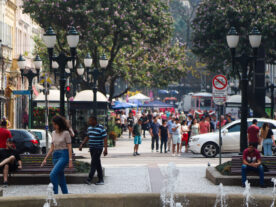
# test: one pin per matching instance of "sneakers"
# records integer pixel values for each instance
(178, 154)
(165, 151)
(137, 153)
(173, 155)
(88, 181)
(157, 150)
(151, 150)
(134, 153)
(161, 152)
(100, 182)
(5, 184)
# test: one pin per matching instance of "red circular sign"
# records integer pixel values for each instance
(219, 82)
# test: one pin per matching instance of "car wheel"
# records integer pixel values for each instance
(209, 149)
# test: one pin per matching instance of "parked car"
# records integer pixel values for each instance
(25, 141)
(208, 144)
(40, 135)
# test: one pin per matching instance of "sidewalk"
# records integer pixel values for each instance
(142, 174)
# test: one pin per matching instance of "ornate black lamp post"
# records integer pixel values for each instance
(62, 59)
(244, 60)
(91, 75)
(30, 75)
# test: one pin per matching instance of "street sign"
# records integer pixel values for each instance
(21, 92)
(219, 89)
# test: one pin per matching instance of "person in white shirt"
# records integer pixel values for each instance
(176, 128)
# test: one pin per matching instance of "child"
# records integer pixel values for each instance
(137, 131)
(163, 134)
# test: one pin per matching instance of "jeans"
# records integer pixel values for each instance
(163, 142)
(96, 163)
(260, 170)
(267, 144)
(155, 138)
(60, 161)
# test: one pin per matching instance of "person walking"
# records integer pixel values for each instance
(163, 134)
(61, 148)
(145, 124)
(204, 126)
(194, 127)
(185, 135)
(253, 133)
(154, 132)
(123, 121)
(137, 131)
(169, 124)
(130, 123)
(97, 137)
(176, 137)
(4, 135)
(267, 138)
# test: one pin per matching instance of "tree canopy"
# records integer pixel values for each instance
(214, 19)
(134, 34)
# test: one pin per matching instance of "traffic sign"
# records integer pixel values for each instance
(219, 89)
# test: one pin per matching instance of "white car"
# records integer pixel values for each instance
(40, 134)
(208, 144)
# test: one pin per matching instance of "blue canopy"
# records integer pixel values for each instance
(122, 105)
(163, 91)
(157, 104)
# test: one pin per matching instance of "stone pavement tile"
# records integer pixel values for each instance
(117, 180)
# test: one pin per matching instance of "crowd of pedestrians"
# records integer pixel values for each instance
(169, 132)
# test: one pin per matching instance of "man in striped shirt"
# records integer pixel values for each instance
(97, 137)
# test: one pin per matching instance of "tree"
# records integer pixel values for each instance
(125, 30)
(212, 23)
(214, 19)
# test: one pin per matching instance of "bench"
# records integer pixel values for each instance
(31, 165)
(237, 161)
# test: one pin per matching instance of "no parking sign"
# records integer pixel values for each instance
(219, 89)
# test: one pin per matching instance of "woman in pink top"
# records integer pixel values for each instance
(62, 148)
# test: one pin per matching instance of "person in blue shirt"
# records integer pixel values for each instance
(154, 131)
(97, 137)
(169, 125)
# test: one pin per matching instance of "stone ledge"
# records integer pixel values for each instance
(130, 200)
(233, 180)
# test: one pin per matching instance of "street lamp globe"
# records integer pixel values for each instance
(255, 38)
(54, 65)
(88, 61)
(72, 37)
(21, 62)
(103, 61)
(50, 38)
(67, 70)
(232, 38)
(70, 64)
(80, 70)
(37, 62)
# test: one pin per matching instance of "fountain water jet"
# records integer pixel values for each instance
(247, 193)
(221, 197)
(50, 197)
(273, 192)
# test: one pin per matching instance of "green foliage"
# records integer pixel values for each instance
(82, 167)
(130, 32)
(39, 116)
(214, 19)
(41, 50)
(224, 168)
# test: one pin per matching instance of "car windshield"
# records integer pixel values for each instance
(38, 135)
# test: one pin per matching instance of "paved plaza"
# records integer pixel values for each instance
(143, 174)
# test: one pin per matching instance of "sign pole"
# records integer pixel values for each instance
(220, 139)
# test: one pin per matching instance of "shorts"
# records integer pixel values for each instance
(176, 139)
(137, 140)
